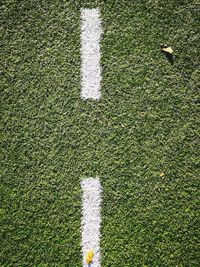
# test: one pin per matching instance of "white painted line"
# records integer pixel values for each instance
(91, 220)
(90, 53)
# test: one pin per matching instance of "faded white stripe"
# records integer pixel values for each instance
(90, 53)
(91, 219)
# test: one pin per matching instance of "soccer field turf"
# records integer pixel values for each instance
(145, 123)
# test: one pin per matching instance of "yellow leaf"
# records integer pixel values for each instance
(89, 256)
(162, 174)
(168, 49)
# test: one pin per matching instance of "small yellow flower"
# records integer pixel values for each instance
(89, 256)
(162, 174)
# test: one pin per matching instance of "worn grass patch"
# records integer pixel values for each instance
(145, 123)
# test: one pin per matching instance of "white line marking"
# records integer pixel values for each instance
(90, 53)
(91, 220)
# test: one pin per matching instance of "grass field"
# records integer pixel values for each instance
(145, 123)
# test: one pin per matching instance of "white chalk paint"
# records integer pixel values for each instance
(91, 220)
(90, 53)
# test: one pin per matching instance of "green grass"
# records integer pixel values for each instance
(145, 123)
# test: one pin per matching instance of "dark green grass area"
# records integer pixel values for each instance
(146, 122)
